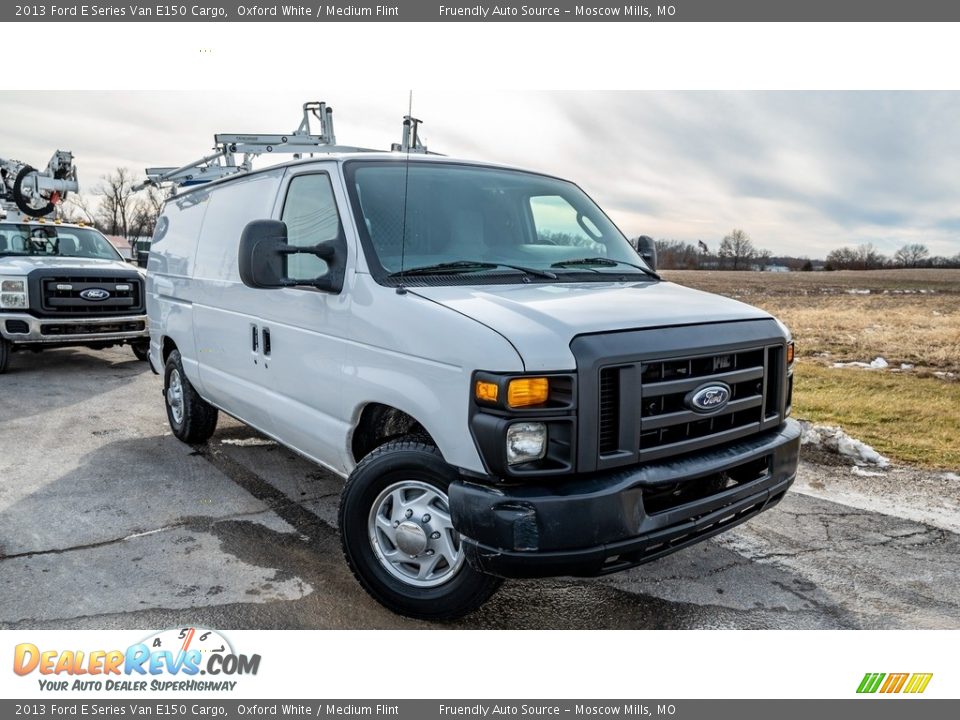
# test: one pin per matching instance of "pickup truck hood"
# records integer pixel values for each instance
(540, 320)
(20, 265)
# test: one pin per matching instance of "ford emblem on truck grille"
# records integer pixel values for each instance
(94, 294)
(709, 398)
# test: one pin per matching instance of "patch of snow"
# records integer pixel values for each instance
(857, 470)
(906, 366)
(944, 375)
(836, 440)
(858, 291)
(951, 476)
(875, 364)
(248, 442)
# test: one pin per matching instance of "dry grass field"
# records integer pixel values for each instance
(906, 317)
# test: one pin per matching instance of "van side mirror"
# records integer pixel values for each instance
(263, 258)
(647, 248)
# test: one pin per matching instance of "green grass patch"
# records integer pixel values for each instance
(908, 418)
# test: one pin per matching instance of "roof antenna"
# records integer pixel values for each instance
(408, 120)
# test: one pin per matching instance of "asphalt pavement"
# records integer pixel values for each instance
(108, 521)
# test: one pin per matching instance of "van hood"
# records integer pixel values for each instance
(22, 265)
(540, 320)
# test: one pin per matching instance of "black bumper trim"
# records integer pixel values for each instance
(597, 524)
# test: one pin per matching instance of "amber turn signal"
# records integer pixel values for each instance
(486, 391)
(790, 353)
(522, 392)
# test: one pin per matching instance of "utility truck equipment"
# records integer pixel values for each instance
(61, 284)
(507, 386)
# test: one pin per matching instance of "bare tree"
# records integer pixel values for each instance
(77, 209)
(738, 249)
(911, 255)
(145, 209)
(115, 191)
(862, 257)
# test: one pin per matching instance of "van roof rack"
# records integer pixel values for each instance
(223, 162)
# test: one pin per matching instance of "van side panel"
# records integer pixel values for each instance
(169, 268)
(225, 311)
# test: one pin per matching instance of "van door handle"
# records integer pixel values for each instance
(266, 341)
(255, 337)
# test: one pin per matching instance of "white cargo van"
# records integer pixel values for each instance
(507, 386)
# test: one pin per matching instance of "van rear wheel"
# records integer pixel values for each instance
(191, 418)
(397, 535)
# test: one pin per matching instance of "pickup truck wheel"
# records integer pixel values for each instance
(397, 535)
(141, 350)
(4, 355)
(191, 418)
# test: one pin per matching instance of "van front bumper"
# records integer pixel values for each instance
(598, 523)
(21, 328)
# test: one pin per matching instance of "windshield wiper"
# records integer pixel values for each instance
(605, 262)
(460, 266)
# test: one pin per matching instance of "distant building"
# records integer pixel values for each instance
(777, 268)
(121, 244)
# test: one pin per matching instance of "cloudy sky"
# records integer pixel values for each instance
(801, 172)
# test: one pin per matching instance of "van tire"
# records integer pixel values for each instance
(191, 418)
(141, 350)
(416, 460)
(4, 355)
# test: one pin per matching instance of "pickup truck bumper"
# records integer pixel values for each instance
(605, 522)
(21, 328)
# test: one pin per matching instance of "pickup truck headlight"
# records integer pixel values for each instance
(526, 442)
(13, 294)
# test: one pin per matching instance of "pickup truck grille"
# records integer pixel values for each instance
(668, 425)
(63, 295)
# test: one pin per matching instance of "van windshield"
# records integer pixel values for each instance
(485, 224)
(55, 240)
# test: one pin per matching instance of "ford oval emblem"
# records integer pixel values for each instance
(709, 398)
(94, 294)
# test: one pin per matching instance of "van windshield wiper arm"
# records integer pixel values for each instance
(460, 266)
(604, 261)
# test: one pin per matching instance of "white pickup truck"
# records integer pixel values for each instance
(508, 387)
(65, 285)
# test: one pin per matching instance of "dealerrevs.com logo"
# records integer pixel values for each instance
(890, 683)
(168, 660)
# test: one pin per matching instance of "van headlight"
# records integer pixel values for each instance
(13, 293)
(526, 442)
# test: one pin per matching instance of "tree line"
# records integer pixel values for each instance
(736, 251)
(114, 208)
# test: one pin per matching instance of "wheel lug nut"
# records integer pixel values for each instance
(426, 518)
(409, 513)
(435, 535)
(430, 551)
(396, 523)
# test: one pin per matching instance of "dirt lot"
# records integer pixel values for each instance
(107, 521)
(909, 318)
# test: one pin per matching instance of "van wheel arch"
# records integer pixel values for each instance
(167, 347)
(379, 424)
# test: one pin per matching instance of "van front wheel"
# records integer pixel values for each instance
(191, 418)
(398, 538)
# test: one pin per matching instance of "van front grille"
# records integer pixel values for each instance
(670, 424)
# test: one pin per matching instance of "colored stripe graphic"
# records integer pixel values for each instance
(894, 683)
(870, 682)
(918, 682)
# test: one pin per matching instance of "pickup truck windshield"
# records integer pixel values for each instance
(424, 218)
(54, 240)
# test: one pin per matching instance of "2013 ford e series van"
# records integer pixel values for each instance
(506, 384)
